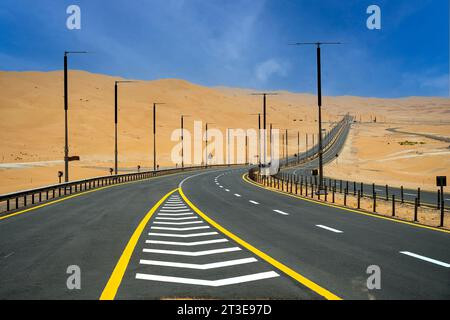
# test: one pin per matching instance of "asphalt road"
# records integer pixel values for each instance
(92, 231)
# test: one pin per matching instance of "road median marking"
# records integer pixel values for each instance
(110, 290)
(378, 216)
(285, 269)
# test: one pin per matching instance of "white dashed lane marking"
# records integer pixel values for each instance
(237, 195)
(329, 229)
(281, 212)
(414, 255)
(254, 202)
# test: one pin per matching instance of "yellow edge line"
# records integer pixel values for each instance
(81, 194)
(246, 179)
(293, 274)
(114, 281)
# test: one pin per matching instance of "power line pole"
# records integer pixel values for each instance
(319, 102)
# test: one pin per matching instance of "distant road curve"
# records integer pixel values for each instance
(425, 135)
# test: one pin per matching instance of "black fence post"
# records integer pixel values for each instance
(7, 205)
(354, 188)
(334, 190)
(326, 193)
(345, 197)
(373, 189)
(340, 187)
(375, 202)
(362, 189)
(442, 210)
(387, 193)
(416, 205)
(393, 205)
(418, 197)
(359, 199)
(402, 194)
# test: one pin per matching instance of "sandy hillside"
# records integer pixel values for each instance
(32, 124)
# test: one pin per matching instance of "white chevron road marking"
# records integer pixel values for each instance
(192, 254)
(192, 235)
(207, 266)
(210, 283)
(180, 229)
(178, 223)
(176, 219)
(187, 244)
(176, 214)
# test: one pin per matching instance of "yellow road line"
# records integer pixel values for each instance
(293, 274)
(114, 281)
(83, 193)
(246, 179)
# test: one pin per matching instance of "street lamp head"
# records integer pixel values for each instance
(318, 44)
(75, 52)
(124, 81)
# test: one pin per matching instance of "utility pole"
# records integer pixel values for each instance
(66, 109)
(319, 103)
(116, 151)
(154, 133)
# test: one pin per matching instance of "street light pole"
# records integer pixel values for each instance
(319, 103)
(206, 146)
(182, 140)
(154, 133)
(66, 108)
(264, 94)
(116, 150)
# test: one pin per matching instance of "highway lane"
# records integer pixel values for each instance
(90, 231)
(330, 246)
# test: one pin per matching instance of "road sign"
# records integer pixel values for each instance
(441, 181)
(74, 158)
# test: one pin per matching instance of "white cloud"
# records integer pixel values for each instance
(265, 70)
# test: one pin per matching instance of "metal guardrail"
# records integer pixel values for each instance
(22, 199)
(339, 127)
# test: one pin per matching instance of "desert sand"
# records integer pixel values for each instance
(32, 126)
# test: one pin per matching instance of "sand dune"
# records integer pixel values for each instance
(32, 124)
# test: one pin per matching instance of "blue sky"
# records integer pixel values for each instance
(239, 43)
